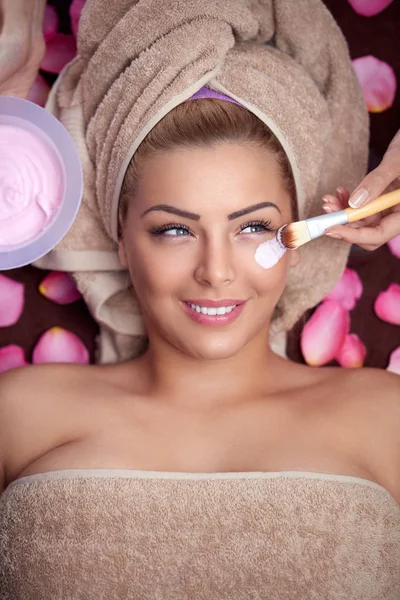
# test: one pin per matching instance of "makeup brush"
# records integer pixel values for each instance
(297, 234)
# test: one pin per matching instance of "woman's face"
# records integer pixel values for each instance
(189, 240)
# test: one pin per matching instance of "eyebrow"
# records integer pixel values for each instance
(194, 217)
(249, 209)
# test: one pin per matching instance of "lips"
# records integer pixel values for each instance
(214, 319)
(215, 303)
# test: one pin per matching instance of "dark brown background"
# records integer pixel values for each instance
(377, 35)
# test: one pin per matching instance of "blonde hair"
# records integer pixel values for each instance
(205, 122)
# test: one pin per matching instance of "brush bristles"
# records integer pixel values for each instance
(295, 235)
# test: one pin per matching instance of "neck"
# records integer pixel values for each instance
(192, 382)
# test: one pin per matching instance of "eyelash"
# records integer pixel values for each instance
(266, 225)
(159, 231)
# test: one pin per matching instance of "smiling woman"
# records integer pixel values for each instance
(207, 466)
(222, 171)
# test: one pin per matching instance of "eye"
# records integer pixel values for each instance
(171, 230)
(256, 227)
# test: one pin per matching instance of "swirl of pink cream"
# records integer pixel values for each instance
(31, 184)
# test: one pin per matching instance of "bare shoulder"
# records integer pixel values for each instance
(33, 387)
(375, 388)
(36, 408)
(371, 396)
(372, 404)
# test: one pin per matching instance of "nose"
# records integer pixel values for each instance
(215, 264)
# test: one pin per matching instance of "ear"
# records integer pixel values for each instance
(122, 253)
(294, 258)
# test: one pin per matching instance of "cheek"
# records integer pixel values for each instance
(270, 281)
(155, 269)
(274, 279)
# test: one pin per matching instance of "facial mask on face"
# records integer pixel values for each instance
(268, 254)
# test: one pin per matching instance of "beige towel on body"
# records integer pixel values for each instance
(115, 535)
(285, 61)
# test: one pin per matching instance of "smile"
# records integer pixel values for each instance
(205, 310)
(213, 312)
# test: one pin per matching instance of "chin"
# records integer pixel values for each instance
(213, 349)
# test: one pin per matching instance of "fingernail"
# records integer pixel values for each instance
(337, 236)
(327, 209)
(359, 198)
(325, 199)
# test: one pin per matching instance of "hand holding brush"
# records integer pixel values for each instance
(374, 231)
(297, 234)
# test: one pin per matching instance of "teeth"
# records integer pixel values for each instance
(205, 310)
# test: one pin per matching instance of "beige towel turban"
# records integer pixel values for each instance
(285, 61)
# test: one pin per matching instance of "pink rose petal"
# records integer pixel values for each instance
(325, 332)
(60, 50)
(378, 82)
(11, 301)
(352, 353)
(59, 287)
(394, 245)
(387, 305)
(39, 91)
(75, 13)
(347, 290)
(394, 361)
(11, 357)
(369, 8)
(50, 25)
(58, 345)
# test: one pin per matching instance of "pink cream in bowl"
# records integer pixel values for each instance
(40, 182)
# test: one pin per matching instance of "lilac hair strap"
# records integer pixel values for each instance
(206, 92)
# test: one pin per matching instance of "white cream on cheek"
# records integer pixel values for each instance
(268, 254)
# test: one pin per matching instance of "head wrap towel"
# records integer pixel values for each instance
(285, 61)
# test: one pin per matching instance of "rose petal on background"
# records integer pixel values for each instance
(324, 333)
(394, 361)
(11, 301)
(387, 305)
(369, 8)
(347, 290)
(394, 245)
(11, 357)
(378, 82)
(60, 288)
(60, 50)
(57, 345)
(39, 91)
(352, 353)
(75, 14)
(50, 24)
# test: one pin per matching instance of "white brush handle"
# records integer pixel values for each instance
(318, 225)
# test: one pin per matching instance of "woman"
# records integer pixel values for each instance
(208, 396)
(208, 467)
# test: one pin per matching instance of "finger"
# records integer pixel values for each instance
(331, 207)
(369, 237)
(343, 195)
(23, 19)
(11, 58)
(380, 178)
(332, 202)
